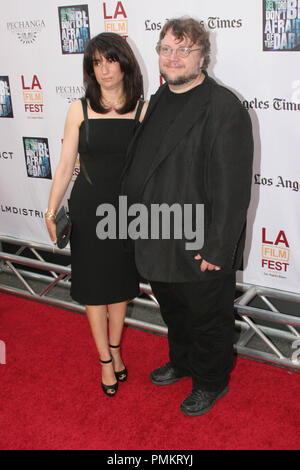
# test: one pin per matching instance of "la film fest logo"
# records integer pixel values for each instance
(281, 25)
(32, 95)
(26, 30)
(275, 253)
(115, 18)
(74, 28)
(37, 157)
(6, 110)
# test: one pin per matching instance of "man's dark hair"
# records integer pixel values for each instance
(113, 47)
(192, 29)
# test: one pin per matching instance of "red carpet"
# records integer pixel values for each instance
(51, 396)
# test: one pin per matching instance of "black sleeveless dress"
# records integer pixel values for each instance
(102, 271)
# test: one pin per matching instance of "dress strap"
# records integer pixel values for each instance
(139, 109)
(85, 115)
(86, 120)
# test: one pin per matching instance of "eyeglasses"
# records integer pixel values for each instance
(167, 51)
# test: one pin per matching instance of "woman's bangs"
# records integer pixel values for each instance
(107, 51)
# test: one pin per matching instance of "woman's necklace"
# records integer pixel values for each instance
(112, 104)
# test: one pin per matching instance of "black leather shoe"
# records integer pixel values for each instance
(199, 402)
(165, 375)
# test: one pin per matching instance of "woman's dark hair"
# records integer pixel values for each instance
(113, 47)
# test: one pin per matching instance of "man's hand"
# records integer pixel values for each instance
(205, 265)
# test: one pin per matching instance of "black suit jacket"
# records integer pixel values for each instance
(205, 158)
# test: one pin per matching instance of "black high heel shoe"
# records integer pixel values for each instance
(122, 375)
(108, 388)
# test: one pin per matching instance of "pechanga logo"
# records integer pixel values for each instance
(70, 93)
(32, 95)
(74, 28)
(6, 110)
(37, 157)
(26, 30)
(115, 18)
(275, 253)
(281, 25)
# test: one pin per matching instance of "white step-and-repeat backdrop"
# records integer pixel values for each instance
(255, 53)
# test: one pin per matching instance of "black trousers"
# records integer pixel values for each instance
(200, 321)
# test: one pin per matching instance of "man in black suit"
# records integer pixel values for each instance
(194, 146)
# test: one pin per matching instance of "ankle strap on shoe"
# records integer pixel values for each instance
(105, 362)
(111, 346)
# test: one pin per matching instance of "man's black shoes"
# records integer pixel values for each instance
(199, 402)
(165, 375)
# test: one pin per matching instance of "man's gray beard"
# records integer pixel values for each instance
(180, 80)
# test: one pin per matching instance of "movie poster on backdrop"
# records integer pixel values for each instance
(37, 157)
(74, 28)
(281, 25)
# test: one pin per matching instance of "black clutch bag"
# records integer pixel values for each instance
(63, 228)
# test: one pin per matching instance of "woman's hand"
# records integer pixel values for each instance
(51, 226)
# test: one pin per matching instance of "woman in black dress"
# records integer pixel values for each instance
(100, 128)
